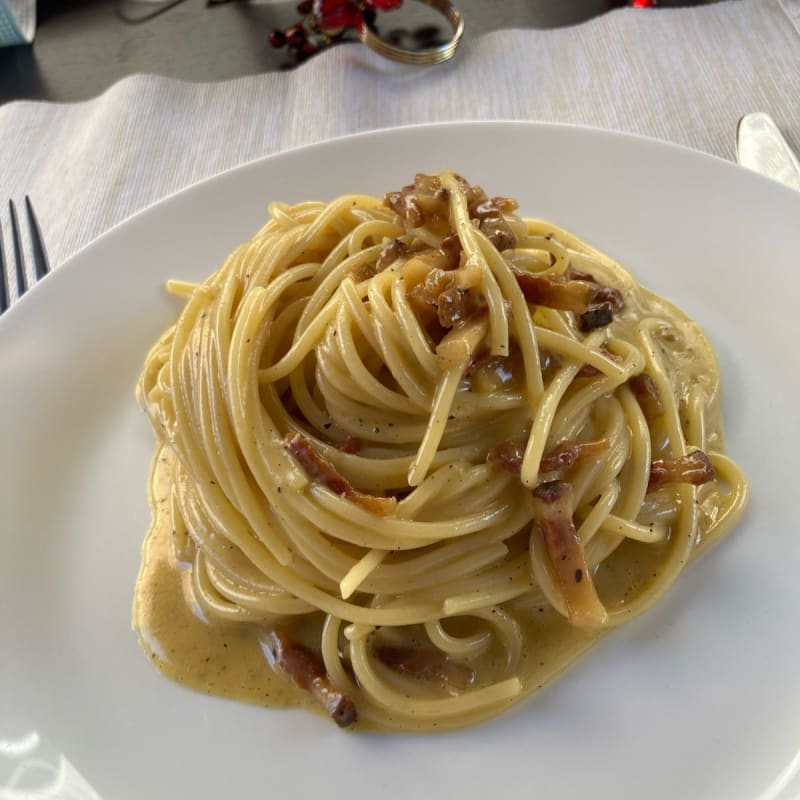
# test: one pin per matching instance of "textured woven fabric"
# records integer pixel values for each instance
(683, 75)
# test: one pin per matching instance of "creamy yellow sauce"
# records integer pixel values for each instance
(227, 659)
(220, 658)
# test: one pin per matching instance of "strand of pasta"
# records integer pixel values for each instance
(540, 428)
(491, 289)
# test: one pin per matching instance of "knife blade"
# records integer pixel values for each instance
(760, 146)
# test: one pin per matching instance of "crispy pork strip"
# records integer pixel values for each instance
(435, 281)
(575, 274)
(322, 471)
(404, 203)
(307, 670)
(498, 232)
(456, 305)
(421, 202)
(694, 468)
(489, 211)
(391, 251)
(426, 202)
(567, 295)
(352, 444)
(596, 317)
(443, 301)
(492, 206)
(448, 254)
(564, 455)
(552, 508)
(427, 664)
(507, 455)
(646, 394)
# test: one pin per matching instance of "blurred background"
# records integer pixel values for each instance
(83, 46)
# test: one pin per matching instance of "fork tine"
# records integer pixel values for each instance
(41, 262)
(22, 278)
(5, 301)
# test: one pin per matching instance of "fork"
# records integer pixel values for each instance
(17, 275)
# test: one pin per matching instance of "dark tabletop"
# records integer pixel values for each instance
(83, 46)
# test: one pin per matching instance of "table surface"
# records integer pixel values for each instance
(83, 46)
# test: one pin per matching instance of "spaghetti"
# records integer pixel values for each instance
(425, 451)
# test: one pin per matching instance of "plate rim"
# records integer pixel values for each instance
(153, 208)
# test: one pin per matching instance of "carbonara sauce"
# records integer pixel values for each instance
(228, 659)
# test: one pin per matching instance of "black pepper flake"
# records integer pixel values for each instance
(327, 425)
(578, 575)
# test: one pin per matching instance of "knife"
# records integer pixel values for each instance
(760, 146)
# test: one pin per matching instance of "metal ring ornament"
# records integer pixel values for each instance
(430, 55)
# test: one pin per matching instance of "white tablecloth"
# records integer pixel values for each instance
(684, 75)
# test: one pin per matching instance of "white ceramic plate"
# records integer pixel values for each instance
(699, 698)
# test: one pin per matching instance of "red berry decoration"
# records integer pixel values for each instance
(331, 14)
(326, 21)
(296, 35)
(277, 38)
